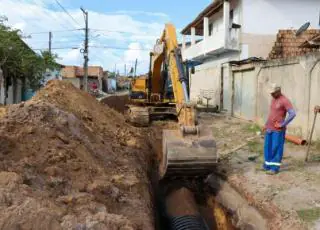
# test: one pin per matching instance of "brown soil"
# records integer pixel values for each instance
(182, 203)
(68, 162)
(116, 102)
(288, 200)
(3, 111)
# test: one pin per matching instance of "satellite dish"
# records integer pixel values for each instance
(302, 29)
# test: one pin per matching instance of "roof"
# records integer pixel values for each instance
(312, 43)
(288, 45)
(198, 21)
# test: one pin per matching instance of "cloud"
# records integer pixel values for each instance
(138, 31)
(152, 14)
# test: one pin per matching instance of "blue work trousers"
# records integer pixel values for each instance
(273, 150)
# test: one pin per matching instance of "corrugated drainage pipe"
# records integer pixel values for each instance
(188, 223)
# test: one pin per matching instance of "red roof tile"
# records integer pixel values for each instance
(288, 45)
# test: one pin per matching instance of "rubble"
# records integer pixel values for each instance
(68, 162)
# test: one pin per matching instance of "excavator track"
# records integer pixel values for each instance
(185, 156)
(138, 116)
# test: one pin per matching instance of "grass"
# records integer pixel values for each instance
(255, 147)
(317, 145)
(309, 215)
(252, 128)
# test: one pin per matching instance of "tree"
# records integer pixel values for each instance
(18, 61)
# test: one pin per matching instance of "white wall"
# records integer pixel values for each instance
(268, 16)
(74, 81)
(208, 77)
(300, 82)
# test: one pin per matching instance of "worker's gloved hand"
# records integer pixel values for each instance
(317, 109)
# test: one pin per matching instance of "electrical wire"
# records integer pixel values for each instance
(56, 31)
(118, 48)
(56, 48)
(119, 31)
(61, 6)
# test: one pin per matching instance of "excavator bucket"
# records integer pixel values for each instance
(194, 155)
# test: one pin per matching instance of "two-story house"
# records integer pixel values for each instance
(233, 30)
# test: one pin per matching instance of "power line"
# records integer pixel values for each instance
(118, 48)
(56, 31)
(119, 31)
(61, 6)
(98, 47)
(56, 48)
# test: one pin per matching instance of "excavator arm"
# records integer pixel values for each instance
(167, 50)
(190, 150)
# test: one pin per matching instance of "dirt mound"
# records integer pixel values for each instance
(68, 162)
(117, 102)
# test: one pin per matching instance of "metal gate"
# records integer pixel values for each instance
(244, 99)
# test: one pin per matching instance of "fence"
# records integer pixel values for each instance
(300, 81)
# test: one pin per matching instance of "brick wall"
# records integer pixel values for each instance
(76, 71)
(69, 72)
(288, 45)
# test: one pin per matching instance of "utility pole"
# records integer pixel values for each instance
(125, 70)
(135, 68)
(86, 51)
(50, 42)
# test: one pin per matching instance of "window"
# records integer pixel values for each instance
(231, 16)
(210, 29)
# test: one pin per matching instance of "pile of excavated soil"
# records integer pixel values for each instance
(3, 111)
(68, 162)
(117, 102)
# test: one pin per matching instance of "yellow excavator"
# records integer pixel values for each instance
(191, 150)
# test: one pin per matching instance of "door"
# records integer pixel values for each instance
(237, 94)
(248, 101)
(244, 100)
(226, 89)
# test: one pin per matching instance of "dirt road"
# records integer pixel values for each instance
(289, 200)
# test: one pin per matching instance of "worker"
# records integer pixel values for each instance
(94, 86)
(275, 129)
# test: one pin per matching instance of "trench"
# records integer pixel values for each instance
(186, 203)
(206, 203)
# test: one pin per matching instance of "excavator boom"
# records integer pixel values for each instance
(192, 149)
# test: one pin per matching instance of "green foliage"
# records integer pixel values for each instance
(18, 61)
(255, 147)
(253, 128)
(309, 215)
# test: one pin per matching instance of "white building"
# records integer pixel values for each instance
(232, 30)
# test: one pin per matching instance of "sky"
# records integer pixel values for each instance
(121, 31)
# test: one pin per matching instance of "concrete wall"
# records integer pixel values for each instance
(256, 45)
(269, 16)
(300, 81)
(75, 81)
(14, 94)
(208, 77)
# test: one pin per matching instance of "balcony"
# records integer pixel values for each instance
(219, 32)
(209, 46)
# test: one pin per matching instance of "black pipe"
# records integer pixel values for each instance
(188, 223)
